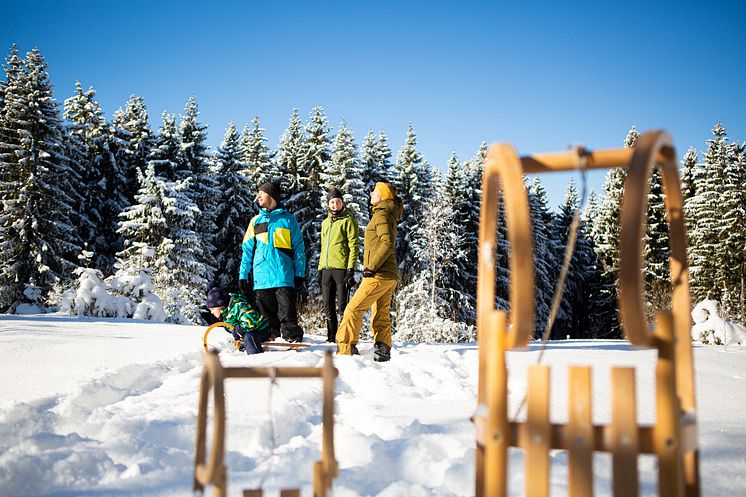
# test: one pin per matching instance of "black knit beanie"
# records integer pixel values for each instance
(272, 188)
(334, 193)
(216, 297)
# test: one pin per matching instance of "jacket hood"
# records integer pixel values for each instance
(395, 207)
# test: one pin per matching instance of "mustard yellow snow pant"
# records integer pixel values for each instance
(372, 292)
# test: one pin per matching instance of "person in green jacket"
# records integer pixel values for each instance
(339, 252)
(380, 277)
(249, 325)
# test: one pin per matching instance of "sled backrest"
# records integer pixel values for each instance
(673, 437)
(214, 471)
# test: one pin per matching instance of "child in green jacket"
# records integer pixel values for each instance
(249, 325)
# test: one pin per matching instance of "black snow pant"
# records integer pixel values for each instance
(335, 294)
(278, 306)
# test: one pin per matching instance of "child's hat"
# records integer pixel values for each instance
(216, 296)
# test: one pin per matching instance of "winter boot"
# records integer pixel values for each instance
(381, 352)
(353, 349)
(239, 341)
(331, 332)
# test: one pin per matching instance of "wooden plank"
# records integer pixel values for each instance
(497, 439)
(580, 432)
(288, 345)
(328, 458)
(538, 430)
(624, 433)
(569, 161)
(290, 492)
(319, 482)
(667, 433)
(253, 493)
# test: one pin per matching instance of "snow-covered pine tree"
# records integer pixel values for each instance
(414, 191)
(256, 156)
(133, 140)
(656, 252)
(304, 204)
(87, 138)
(194, 163)
(546, 248)
(38, 188)
(234, 208)
(290, 164)
(706, 215)
(159, 237)
(717, 210)
(459, 276)
(384, 155)
(289, 161)
(572, 317)
(166, 152)
(429, 306)
(689, 168)
(472, 172)
(601, 307)
(344, 171)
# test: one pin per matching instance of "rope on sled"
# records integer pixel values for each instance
(569, 249)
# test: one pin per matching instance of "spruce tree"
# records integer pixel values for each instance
(371, 172)
(718, 217)
(256, 156)
(656, 250)
(39, 188)
(545, 253)
(344, 171)
(413, 190)
(459, 276)
(234, 207)
(572, 319)
(166, 152)
(84, 131)
(384, 155)
(159, 238)
(194, 164)
(133, 140)
(291, 154)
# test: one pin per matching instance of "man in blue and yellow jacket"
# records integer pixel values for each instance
(274, 254)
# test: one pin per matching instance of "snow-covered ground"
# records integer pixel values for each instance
(102, 407)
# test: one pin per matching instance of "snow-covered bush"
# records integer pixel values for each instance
(124, 295)
(420, 316)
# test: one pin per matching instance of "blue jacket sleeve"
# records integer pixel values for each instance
(299, 249)
(248, 245)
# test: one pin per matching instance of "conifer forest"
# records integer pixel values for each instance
(146, 210)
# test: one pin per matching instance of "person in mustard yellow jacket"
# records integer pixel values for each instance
(339, 253)
(380, 276)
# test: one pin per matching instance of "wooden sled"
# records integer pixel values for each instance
(673, 437)
(213, 471)
(237, 343)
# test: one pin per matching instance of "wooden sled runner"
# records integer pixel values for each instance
(273, 344)
(214, 472)
(673, 437)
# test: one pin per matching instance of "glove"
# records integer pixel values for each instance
(367, 273)
(319, 277)
(299, 283)
(244, 287)
(350, 278)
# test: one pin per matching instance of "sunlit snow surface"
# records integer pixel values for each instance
(103, 407)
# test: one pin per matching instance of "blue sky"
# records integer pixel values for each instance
(540, 75)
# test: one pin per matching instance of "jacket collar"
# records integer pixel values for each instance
(275, 211)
